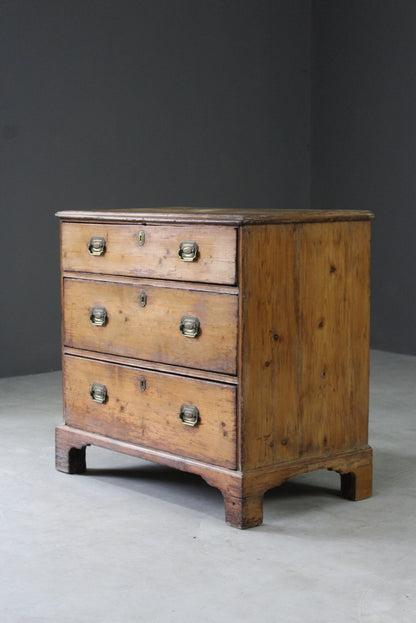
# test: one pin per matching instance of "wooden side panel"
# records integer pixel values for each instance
(305, 340)
(157, 257)
(151, 417)
(152, 332)
(269, 347)
(334, 273)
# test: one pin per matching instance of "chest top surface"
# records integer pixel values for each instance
(220, 216)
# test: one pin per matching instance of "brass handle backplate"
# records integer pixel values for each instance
(188, 251)
(189, 326)
(189, 415)
(98, 316)
(96, 245)
(98, 392)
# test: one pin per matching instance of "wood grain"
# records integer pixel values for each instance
(269, 345)
(305, 340)
(151, 417)
(153, 365)
(152, 332)
(334, 297)
(210, 216)
(161, 283)
(158, 257)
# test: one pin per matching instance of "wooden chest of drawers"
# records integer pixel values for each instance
(232, 344)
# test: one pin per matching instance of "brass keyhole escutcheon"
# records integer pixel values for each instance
(142, 383)
(143, 299)
(141, 237)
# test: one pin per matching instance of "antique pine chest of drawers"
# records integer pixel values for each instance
(233, 344)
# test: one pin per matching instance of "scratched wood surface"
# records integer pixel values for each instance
(209, 216)
(151, 417)
(269, 400)
(152, 332)
(334, 299)
(158, 257)
(305, 340)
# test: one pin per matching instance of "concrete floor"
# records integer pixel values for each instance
(131, 541)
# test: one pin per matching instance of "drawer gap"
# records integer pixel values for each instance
(152, 365)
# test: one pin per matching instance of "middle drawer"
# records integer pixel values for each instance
(193, 328)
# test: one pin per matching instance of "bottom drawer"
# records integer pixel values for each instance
(181, 415)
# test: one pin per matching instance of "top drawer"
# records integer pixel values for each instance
(179, 252)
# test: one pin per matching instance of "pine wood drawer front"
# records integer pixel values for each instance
(143, 407)
(145, 321)
(156, 251)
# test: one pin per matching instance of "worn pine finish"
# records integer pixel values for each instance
(152, 331)
(157, 257)
(334, 270)
(278, 370)
(305, 336)
(153, 365)
(218, 216)
(269, 345)
(150, 416)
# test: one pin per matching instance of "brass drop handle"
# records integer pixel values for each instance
(98, 392)
(98, 316)
(96, 245)
(189, 415)
(188, 251)
(189, 326)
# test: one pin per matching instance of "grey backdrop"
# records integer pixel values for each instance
(364, 143)
(110, 104)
